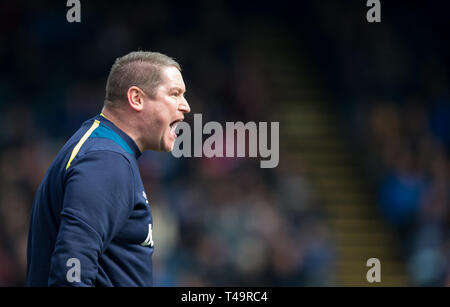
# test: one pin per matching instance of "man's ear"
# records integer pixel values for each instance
(135, 98)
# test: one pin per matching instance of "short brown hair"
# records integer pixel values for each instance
(138, 68)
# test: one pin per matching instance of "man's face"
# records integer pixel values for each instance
(163, 112)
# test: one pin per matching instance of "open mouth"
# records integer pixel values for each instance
(173, 127)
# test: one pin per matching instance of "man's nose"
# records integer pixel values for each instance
(184, 106)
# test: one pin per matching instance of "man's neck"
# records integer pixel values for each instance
(125, 126)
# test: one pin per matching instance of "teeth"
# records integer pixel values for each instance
(173, 127)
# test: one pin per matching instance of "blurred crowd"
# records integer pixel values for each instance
(226, 221)
(392, 81)
(408, 153)
(217, 221)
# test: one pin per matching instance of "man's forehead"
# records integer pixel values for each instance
(172, 77)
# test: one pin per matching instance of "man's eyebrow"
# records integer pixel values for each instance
(177, 88)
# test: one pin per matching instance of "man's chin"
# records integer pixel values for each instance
(163, 148)
(168, 147)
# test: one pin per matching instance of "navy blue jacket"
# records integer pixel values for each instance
(91, 223)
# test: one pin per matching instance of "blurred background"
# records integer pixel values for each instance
(364, 111)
